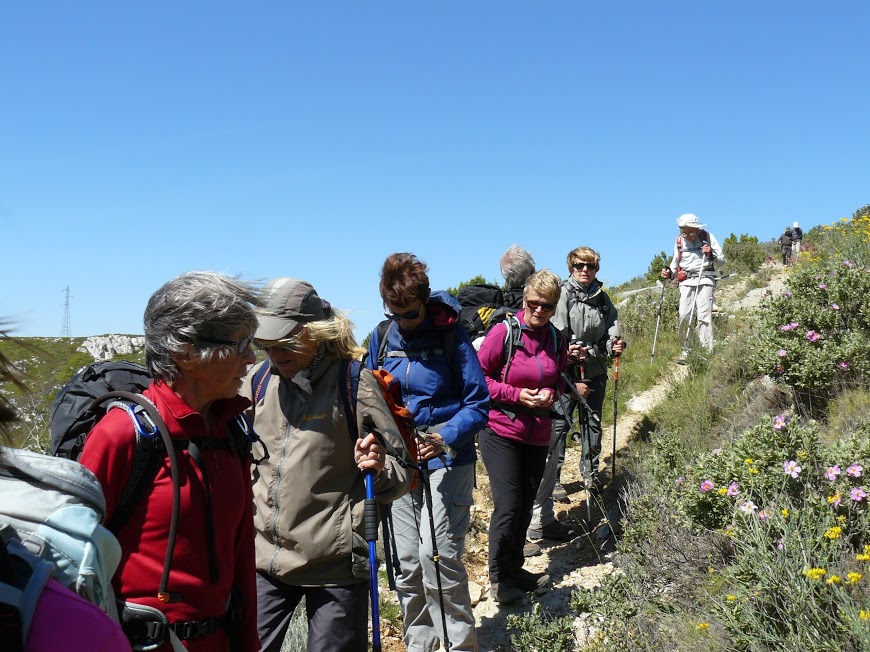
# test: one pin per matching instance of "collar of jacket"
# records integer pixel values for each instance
(594, 290)
(308, 378)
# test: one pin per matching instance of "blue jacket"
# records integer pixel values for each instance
(446, 391)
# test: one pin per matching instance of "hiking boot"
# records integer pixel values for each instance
(534, 534)
(557, 531)
(528, 581)
(684, 358)
(559, 494)
(506, 592)
(531, 549)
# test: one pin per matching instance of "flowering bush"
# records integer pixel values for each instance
(816, 337)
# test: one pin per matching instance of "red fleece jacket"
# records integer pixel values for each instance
(108, 452)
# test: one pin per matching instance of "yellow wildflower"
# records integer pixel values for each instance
(833, 532)
(702, 627)
(862, 556)
(834, 498)
(841, 519)
(834, 579)
(864, 615)
(854, 577)
(753, 470)
(723, 491)
(731, 598)
(785, 514)
(803, 455)
(749, 460)
(815, 573)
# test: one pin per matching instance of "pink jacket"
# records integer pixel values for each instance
(64, 621)
(533, 366)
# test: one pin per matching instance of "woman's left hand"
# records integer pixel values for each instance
(369, 454)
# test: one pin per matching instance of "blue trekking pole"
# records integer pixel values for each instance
(371, 534)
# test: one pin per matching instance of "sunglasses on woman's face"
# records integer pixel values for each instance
(546, 307)
(291, 343)
(579, 266)
(396, 316)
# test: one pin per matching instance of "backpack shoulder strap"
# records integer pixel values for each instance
(383, 329)
(512, 338)
(22, 579)
(349, 378)
(260, 381)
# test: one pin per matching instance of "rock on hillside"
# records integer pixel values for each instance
(107, 347)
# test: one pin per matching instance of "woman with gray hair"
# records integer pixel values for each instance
(198, 333)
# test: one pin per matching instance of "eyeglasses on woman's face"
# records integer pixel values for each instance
(580, 266)
(239, 346)
(535, 305)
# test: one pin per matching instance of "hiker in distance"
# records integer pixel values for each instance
(588, 321)
(522, 358)
(61, 620)
(198, 333)
(797, 236)
(309, 495)
(516, 265)
(785, 242)
(423, 343)
(695, 251)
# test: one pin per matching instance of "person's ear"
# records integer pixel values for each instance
(186, 358)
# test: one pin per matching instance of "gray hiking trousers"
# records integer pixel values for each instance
(417, 584)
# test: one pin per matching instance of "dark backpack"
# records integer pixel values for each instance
(478, 301)
(101, 386)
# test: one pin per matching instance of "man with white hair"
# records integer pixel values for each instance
(692, 264)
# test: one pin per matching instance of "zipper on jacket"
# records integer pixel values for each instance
(274, 497)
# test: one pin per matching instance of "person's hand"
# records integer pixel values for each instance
(426, 450)
(583, 389)
(577, 351)
(536, 398)
(369, 454)
(706, 250)
(666, 272)
(618, 347)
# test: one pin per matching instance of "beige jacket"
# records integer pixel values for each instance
(309, 495)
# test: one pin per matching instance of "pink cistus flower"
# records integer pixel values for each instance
(706, 486)
(847, 263)
(833, 472)
(787, 294)
(844, 364)
(780, 421)
(733, 489)
(834, 306)
(813, 336)
(855, 470)
(857, 494)
(791, 468)
(822, 286)
(782, 353)
(763, 515)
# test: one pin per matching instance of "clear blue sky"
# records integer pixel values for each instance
(311, 139)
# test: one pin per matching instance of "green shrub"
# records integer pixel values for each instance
(540, 632)
(816, 337)
(743, 254)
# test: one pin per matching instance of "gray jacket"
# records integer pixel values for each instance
(593, 319)
(309, 495)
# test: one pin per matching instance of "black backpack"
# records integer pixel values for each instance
(479, 301)
(99, 387)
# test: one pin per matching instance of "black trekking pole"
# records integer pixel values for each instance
(427, 495)
(658, 321)
(615, 393)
